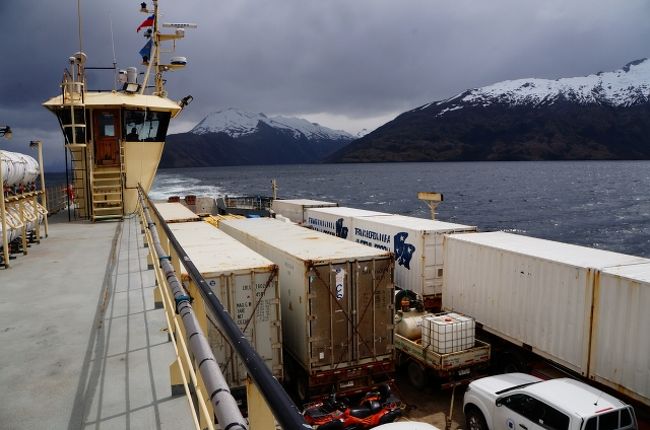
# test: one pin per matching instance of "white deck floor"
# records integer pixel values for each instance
(81, 345)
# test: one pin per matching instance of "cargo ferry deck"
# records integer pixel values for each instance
(82, 343)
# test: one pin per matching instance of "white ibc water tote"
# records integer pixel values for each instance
(17, 169)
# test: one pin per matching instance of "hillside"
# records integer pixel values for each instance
(601, 116)
(234, 137)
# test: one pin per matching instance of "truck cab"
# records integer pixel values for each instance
(517, 401)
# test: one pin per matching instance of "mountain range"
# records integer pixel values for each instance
(235, 137)
(600, 116)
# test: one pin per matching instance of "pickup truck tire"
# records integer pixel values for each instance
(474, 419)
(511, 362)
(417, 374)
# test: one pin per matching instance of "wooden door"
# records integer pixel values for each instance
(106, 133)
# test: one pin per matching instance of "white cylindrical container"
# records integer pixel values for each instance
(132, 75)
(409, 325)
(18, 169)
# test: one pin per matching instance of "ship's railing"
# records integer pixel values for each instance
(56, 198)
(264, 392)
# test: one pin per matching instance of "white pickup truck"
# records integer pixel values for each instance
(517, 401)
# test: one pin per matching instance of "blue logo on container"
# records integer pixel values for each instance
(341, 231)
(403, 251)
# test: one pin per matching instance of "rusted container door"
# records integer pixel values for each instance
(330, 307)
(106, 132)
(373, 290)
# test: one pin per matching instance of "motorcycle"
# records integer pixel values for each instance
(375, 408)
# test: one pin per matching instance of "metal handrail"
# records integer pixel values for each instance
(224, 405)
(283, 408)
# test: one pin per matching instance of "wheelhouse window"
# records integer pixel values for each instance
(68, 125)
(145, 126)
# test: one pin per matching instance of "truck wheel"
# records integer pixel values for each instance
(512, 362)
(301, 389)
(417, 375)
(474, 419)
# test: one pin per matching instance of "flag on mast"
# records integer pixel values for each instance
(146, 23)
(145, 52)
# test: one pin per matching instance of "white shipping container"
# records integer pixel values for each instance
(294, 209)
(175, 212)
(620, 346)
(336, 221)
(246, 284)
(529, 291)
(416, 244)
(336, 296)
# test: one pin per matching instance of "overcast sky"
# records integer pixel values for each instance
(347, 64)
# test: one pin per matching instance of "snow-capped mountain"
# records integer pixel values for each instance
(237, 123)
(600, 116)
(624, 87)
(233, 137)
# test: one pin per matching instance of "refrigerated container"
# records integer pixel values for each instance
(246, 284)
(175, 212)
(416, 244)
(294, 209)
(534, 293)
(620, 343)
(337, 306)
(336, 221)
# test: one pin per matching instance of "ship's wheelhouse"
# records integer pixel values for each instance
(114, 142)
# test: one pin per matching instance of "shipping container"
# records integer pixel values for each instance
(336, 221)
(294, 209)
(416, 244)
(534, 293)
(620, 345)
(246, 284)
(336, 305)
(175, 212)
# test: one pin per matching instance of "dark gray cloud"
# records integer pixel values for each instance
(353, 63)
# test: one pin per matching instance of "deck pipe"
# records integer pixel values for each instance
(224, 404)
(283, 408)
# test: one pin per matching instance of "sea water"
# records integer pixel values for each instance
(601, 204)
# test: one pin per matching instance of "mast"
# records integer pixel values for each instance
(160, 89)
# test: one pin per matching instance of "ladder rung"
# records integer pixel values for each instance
(114, 208)
(101, 202)
(103, 217)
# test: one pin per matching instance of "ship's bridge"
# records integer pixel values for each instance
(115, 140)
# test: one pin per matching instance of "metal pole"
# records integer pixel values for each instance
(39, 144)
(3, 215)
(224, 405)
(284, 410)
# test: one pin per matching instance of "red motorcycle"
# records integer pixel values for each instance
(375, 408)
